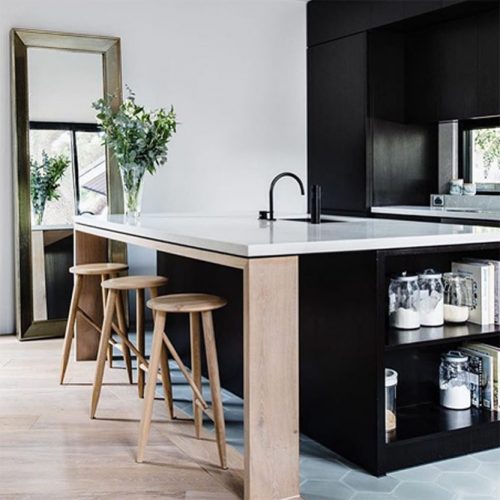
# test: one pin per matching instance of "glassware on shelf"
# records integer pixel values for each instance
(454, 387)
(403, 302)
(457, 297)
(391, 383)
(431, 291)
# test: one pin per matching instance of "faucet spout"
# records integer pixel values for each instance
(270, 215)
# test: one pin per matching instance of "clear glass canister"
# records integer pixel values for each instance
(391, 383)
(403, 302)
(431, 292)
(454, 387)
(457, 297)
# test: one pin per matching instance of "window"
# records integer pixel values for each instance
(481, 153)
(83, 188)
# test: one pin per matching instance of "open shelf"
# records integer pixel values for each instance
(399, 339)
(430, 419)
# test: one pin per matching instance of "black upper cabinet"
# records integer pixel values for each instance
(337, 74)
(328, 20)
(488, 67)
(458, 69)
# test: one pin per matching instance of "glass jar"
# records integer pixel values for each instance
(403, 302)
(431, 291)
(454, 387)
(391, 383)
(457, 297)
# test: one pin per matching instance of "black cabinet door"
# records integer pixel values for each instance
(488, 64)
(337, 76)
(458, 69)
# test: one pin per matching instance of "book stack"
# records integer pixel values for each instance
(486, 277)
(484, 374)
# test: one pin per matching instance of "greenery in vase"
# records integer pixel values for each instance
(139, 139)
(45, 181)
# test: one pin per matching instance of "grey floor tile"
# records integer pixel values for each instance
(490, 456)
(362, 481)
(416, 490)
(466, 483)
(422, 473)
(325, 490)
(374, 496)
(460, 464)
(490, 471)
(318, 468)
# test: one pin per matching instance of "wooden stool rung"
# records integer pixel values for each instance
(207, 411)
(184, 371)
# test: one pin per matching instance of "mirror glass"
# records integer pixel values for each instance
(67, 167)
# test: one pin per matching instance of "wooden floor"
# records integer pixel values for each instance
(49, 448)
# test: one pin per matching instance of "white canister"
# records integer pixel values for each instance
(403, 302)
(454, 387)
(430, 305)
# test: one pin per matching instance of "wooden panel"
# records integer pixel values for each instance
(88, 249)
(336, 123)
(271, 379)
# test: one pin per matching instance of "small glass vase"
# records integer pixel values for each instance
(133, 185)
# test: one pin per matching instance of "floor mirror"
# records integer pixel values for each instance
(61, 167)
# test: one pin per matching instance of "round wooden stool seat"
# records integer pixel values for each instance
(134, 282)
(98, 268)
(186, 303)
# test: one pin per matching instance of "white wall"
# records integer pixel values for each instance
(235, 71)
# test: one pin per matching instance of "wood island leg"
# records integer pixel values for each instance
(89, 249)
(271, 378)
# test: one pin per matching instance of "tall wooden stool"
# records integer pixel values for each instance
(115, 286)
(196, 305)
(105, 271)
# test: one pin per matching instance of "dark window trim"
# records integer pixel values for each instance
(73, 128)
(465, 127)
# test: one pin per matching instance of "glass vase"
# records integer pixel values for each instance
(133, 183)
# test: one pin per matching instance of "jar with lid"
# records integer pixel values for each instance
(430, 305)
(391, 383)
(403, 302)
(457, 297)
(454, 387)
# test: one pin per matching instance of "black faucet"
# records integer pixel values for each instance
(263, 214)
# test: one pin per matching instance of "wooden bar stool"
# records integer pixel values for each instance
(105, 271)
(196, 305)
(114, 287)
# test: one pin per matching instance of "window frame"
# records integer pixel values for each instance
(73, 128)
(465, 129)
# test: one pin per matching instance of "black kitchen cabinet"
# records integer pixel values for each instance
(337, 74)
(488, 67)
(458, 69)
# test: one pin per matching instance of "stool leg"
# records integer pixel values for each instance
(139, 320)
(213, 373)
(122, 325)
(103, 348)
(165, 371)
(149, 396)
(104, 277)
(194, 327)
(70, 326)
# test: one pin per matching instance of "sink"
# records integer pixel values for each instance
(323, 221)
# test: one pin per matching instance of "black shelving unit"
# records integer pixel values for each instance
(346, 344)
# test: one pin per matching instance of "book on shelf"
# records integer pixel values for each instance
(478, 381)
(481, 312)
(494, 353)
(494, 287)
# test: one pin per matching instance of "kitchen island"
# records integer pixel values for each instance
(335, 275)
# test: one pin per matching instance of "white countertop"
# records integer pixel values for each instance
(451, 213)
(248, 237)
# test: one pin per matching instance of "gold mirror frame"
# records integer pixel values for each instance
(21, 41)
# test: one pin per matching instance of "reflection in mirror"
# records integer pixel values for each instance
(67, 167)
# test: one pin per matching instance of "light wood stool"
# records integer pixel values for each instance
(105, 271)
(114, 286)
(196, 305)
